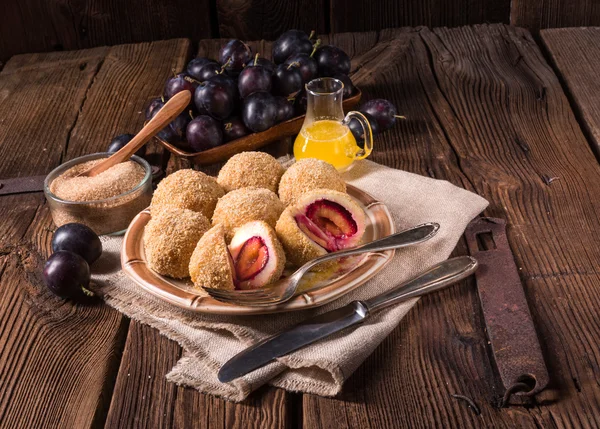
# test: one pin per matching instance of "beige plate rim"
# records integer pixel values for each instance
(134, 265)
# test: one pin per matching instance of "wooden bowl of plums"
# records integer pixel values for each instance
(243, 101)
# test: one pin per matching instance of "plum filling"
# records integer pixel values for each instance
(251, 259)
(328, 224)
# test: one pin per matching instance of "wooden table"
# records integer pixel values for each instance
(488, 109)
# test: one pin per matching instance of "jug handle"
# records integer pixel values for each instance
(367, 132)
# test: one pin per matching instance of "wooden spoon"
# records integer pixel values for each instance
(166, 114)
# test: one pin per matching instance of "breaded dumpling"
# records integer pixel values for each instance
(321, 221)
(244, 205)
(210, 264)
(250, 169)
(170, 238)
(307, 175)
(188, 189)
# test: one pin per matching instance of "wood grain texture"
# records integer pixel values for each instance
(538, 14)
(575, 53)
(487, 113)
(367, 15)
(40, 25)
(54, 354)
(267, 19)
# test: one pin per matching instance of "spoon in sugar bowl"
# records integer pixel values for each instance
(165, 115)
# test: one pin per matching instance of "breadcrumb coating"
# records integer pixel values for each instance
(188, 189)
(250, 169)
(170, 238)
(244, 205)
(210, 264)
(306, 175)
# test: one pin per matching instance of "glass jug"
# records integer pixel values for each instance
(325, 134)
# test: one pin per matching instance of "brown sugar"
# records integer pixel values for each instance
(106, 203)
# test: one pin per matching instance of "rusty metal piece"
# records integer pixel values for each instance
(510, 328)
(20, 185)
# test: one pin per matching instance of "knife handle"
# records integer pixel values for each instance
(440, 276)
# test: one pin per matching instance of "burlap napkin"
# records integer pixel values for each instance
(209, 341)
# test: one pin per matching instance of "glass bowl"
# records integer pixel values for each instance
(106, 216)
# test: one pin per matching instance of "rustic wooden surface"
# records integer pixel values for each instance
(54, 25)
(576, 54)
(538, 14)
(484, 111)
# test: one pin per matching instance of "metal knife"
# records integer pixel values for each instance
(440, 276)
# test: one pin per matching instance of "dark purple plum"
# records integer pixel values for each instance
(234, 55)
(178, 83)
(203, 69)
(357, 129)
(262, 62)
(67, 275)
(287, 81)
(228, 82)
(234, 128)
(332, 60)
(155, 104)
(289, 43)
(215, 98)
(306, 64)
(121, 140)
(285, 109)
(259, 111)
(300, 103)
(79, 239)
(254, 79)
(382, 111)
(203, 133)
(348, 85)
(174, 133)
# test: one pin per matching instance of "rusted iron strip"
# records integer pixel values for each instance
(510, 328)
(20, 185)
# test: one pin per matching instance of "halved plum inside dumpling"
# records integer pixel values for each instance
(321, 221)
(258, 257)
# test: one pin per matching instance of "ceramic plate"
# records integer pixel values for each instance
(316, 288)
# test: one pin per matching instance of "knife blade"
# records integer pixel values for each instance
(321, 326)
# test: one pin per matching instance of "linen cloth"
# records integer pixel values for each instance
(321, 368)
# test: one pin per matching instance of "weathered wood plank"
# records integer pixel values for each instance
(267, 19)
(53, 354)
(40, 25)
(575, 53)
(366, 15)
(478, 116)
(538, 14)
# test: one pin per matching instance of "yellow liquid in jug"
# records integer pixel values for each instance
(327, 140)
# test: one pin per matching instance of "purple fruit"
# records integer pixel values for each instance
(203, 133)
(234, 128)
(287, 80)
(306, 64)
(67, 275)
(254, 79)
(382, 111)
(285, 109)
(155, 104)
(262, 62)
(215, 98)
(331, 61)
(348, 85)
(121, 140)
(234, 55)
(174, 133)
(300, 103)
(289, 43)
(79, 239)
(203, 69)
(259, 111)
(357, 129)
(178, 83)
